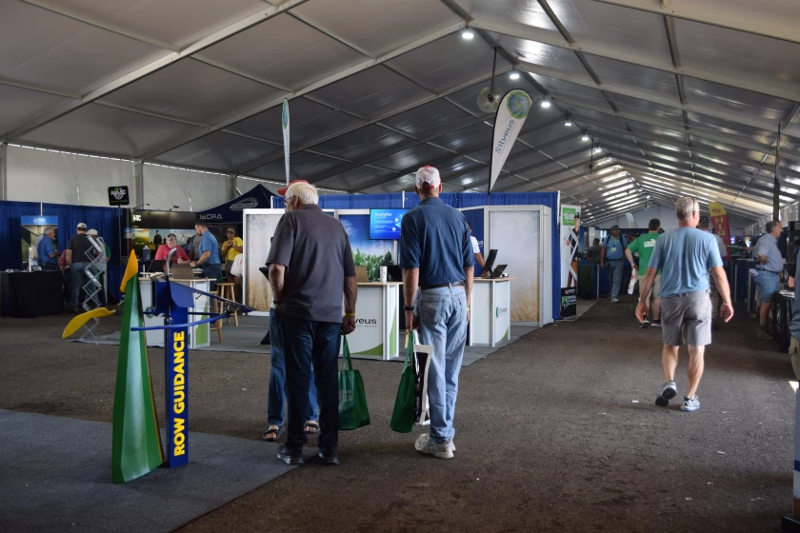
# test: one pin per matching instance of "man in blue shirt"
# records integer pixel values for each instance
(438, 269)
(209, 254)
(768, 273)
(48, 257)
(685, 257)
(613, 252)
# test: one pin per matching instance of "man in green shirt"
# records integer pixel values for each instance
(644, 246)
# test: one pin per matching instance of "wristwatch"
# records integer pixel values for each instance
(409, 308)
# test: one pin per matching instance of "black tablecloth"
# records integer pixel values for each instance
(782, 313)
(30, 294)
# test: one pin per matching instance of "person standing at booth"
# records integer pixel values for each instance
(78, 260)
(209, 255)
(704, 225)
(438, 268)
(685, 255)
(311, 273)
(476, 249)
(171, 243)
(48, 257)
(769, 266)
(230, 249)
(613, 253)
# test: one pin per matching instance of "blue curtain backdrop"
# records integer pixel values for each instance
(103, 219)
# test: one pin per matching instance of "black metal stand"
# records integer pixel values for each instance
(790, 524)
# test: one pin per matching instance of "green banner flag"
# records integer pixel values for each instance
(136, 442)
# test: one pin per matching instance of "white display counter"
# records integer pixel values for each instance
(198, 335)
(490, 311)
(377, 333)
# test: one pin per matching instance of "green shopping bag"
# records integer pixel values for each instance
(406, 403)
(353, 411)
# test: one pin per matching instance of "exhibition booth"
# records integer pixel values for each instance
(518, 238)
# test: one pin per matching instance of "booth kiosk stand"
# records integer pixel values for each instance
(199, 335)
(377, 333)
(490, 312)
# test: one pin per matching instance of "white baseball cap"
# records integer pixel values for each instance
(428, 178)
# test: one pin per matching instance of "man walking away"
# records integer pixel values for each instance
(48, 257)
(703, 226)
(644, 245)
(208, 259)
(612, 252)
(311, 271)
(769, 265)
(436, 257)
(685, 255)
(77, 260)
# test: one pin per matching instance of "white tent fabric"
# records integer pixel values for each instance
(681, 97)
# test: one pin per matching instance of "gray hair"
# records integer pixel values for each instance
(771, 225)
(305, 192)
(685, 207)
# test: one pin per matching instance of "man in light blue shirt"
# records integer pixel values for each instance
(209, 254)
(613, 253)
(769, 266)
(685, 257)
(48, 257)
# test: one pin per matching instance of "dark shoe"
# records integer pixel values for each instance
(329, 457)
(656, 323)
(265, 340)
(668, 392)
(645, 323)
(291, 456)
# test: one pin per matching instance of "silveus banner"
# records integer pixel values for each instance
(508, 123)
(285, 124)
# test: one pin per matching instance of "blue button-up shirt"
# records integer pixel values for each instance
(434, 238)
(614, 247)
(45, 248)
(767, 245)
(208, 243)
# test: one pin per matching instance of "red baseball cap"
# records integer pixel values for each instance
(282, 191)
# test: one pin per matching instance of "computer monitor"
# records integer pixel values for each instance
(490, 259)
(498, 271)
(394, 273)
(156, 266)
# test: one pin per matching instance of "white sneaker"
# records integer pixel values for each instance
(614, 301)
(425, 445)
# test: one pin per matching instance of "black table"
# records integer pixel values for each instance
(30, 294)
(782, 313)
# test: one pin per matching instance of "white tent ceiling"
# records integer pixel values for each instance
(682, 96)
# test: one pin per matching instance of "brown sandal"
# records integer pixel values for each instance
(277, 431)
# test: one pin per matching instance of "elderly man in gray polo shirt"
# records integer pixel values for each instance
(311, 271)
(769, 266)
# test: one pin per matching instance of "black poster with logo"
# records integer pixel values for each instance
(569, 302)
(119, 195)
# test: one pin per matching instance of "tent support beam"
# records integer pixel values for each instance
(153, 66)
(3, 171)
(138, 183)
(546, 37)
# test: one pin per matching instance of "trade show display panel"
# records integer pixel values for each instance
(259, 227)
(199, 336)
(490, 313)
(377, 333)
(367, 252)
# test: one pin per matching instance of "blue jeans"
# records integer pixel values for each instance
(310, 351)
(615, 268)
(212, 272)
(277, 382)
(442, 314)
(77, 276)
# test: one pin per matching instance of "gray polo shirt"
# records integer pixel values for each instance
(767, 245)
(315, 250)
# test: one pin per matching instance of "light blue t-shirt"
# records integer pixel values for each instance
(614, 247)
(208, 243)
(767, 246)
(685, 256)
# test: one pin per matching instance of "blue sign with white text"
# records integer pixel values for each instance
(384, 224)
(39, 221)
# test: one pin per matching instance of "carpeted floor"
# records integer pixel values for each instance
(555, 433)
(58, 478)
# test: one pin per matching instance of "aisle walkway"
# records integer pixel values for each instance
(556, 433)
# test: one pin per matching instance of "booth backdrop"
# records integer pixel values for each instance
(459, 201)
(231, 212)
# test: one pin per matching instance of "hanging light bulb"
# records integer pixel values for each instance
(514, 75)
(546, 103)
(568, 123)
(467, 34)
(585, 138)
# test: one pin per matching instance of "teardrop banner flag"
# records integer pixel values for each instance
(285, 124)
(719, 221)
(508, 123)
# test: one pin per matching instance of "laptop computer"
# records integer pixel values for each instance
(183, 271)
(156, 266)
(490, 259)
(497, 272)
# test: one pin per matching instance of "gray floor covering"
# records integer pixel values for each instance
(57, 477)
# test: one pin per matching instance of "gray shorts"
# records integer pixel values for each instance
(691, 311)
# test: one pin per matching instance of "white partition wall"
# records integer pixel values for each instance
(522, 237)
(259, 227)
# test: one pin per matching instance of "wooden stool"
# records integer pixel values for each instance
(224, 289)
(217, 324)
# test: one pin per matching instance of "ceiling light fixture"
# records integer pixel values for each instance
(468, 34)
(568, 123)
(598, 150)
(648, 196)
(514, 75)
(545, 103)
